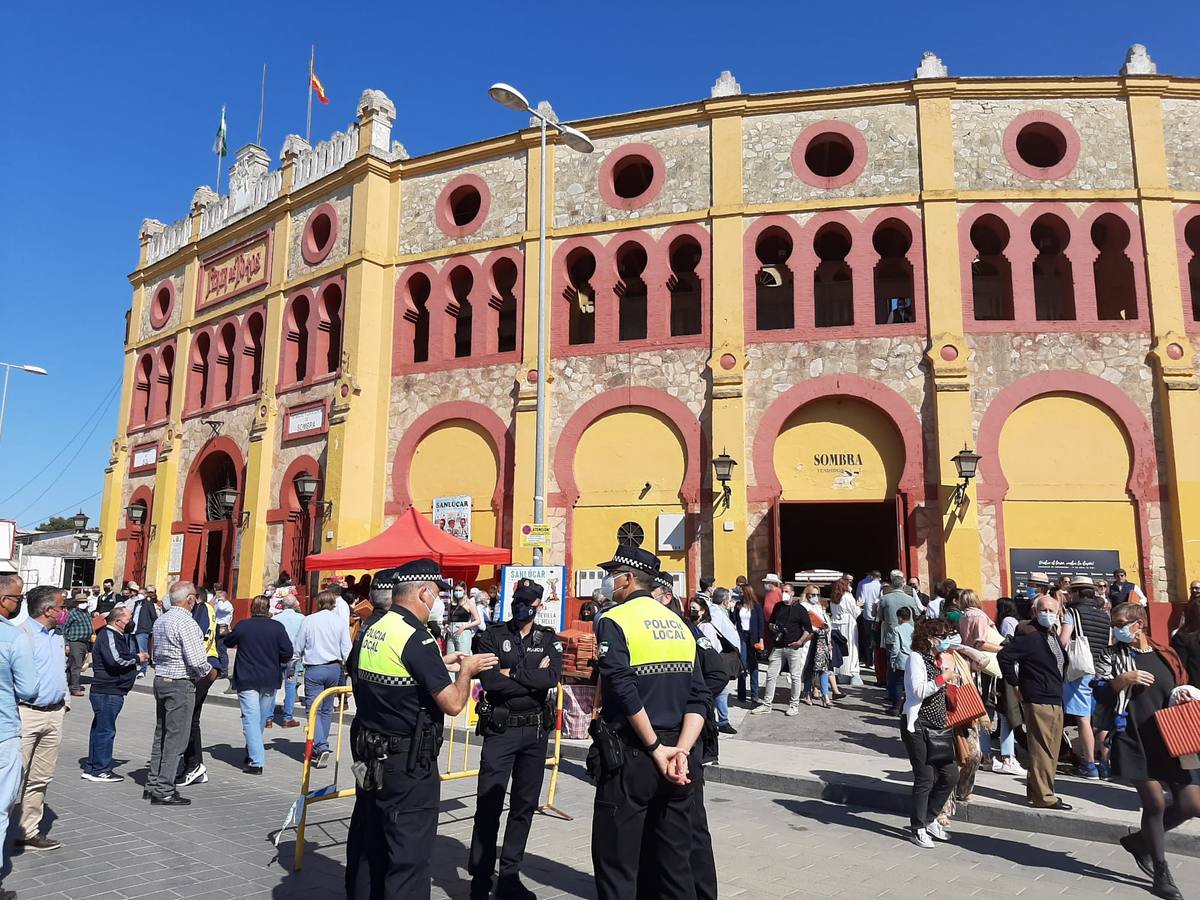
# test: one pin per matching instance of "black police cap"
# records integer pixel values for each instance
(631, 557)
(423, 569)
(528, 590)
(384, 580)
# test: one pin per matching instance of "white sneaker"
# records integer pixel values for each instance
(793, 710)
(936, 830)
(997, 764)
(1012, 767)
(760, 709)
(921, 838)
(198, 775)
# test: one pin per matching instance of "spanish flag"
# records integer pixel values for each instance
(318, 87)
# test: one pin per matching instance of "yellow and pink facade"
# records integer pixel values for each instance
(839, 289)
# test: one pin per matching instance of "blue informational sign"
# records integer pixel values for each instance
(553, 611)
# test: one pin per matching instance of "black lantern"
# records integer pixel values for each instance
(227, 497)
(85, 542)
(723, 471)
(136, 513)
(306, 487)
(79, 520)
(966, 461)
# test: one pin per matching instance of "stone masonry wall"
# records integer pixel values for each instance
(235, 425)
(892, 164)
(505, 179)
(1181, 132)
(340, 200)
(1105, 158)
(147, 330)
(687, 186)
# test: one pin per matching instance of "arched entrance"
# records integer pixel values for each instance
(839, 460)
(210, 524)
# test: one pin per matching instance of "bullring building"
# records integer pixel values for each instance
(833, 292)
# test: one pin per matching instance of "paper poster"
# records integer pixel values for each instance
(553, 581)
(453, 516)
(1056, 563)
(175, 560)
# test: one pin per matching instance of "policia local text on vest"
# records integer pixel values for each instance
(402, 690)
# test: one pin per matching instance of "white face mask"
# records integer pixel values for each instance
(606, 587)
(458, 595)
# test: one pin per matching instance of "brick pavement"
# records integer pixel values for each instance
(768, 845)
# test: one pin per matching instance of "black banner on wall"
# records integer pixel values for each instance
(1056, 563)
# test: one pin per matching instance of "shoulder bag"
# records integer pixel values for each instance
(963, 704)
(1079, 651)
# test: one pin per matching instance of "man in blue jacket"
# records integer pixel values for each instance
(114, 669)
(263, 649)
(18, 684)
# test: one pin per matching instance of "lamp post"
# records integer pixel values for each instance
(723, 470)
(510, 98)
(8, 367)
(967, 463)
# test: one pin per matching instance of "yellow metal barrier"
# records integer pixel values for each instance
(332, 792)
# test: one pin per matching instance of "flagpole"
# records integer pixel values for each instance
(312, 61)
(262, 102)
(219, 156)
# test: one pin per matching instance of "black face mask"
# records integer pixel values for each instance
(523, 611)
(694, 615)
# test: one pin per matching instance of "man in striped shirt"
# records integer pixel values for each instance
(179, 662)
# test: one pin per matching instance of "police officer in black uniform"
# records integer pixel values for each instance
(401, 690)
(644, 753)
(515, 719)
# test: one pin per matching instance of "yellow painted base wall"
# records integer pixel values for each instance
(1084, 525)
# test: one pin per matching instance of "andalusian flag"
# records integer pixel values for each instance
(219, 140)
(318, 87)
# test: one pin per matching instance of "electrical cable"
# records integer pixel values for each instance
(68, 506)
(100, 409)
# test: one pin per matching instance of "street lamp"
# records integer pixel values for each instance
(136, 513)
(227, 497)
(306, 487)
(723, 470)
(79, 520)
(8, 367)
(510, 98)
(967, 463)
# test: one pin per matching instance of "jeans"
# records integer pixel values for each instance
(141, 644)
(750, 664)
(824, 682)
(460, 642)
(795, 660)
(317, 679)
(76, 653)
(1008, 741)
(721, 702)
(105, 709)
(895, 687)
(257, 707)
(174, 701)
(10, 784)
(291, 686)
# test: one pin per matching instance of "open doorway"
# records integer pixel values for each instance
(848, 537)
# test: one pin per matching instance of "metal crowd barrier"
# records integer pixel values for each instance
(333, 792)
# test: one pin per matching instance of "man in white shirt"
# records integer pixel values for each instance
(869, 591)
(291, 619)
(322, 645)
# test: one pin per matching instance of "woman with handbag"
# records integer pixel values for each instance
(978, 632)
(927, 737)
(1139, 677)
(844, 611)
(1087, 629)
(748, 618)
(700, 615)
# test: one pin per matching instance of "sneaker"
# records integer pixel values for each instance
(921, 838)
(726, 728)
(141, 674)
(793, 710)
(1105, 770)
(253, 770)
(1090, 771)
(102, 778)
(1012, 767)
(760, 709)
(40, 842)
(998, 764)
(322, 760)
(175, 799)
(198, 775)
(936, 831)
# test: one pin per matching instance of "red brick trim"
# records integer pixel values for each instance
(1182, 219)
(165, 288)
(444, 215)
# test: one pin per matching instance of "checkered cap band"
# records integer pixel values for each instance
(387, 680)
(631, 563)
(419, 576)
(669, 668)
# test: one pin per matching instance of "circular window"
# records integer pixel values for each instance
(463, 206)
(829, 154)
(632, 176)
(320, 234)
(162, 302)
(1041, 144)
(630, 534)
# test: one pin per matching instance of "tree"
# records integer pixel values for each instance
(57, 523)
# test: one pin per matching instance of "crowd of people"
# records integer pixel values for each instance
(1069, 671)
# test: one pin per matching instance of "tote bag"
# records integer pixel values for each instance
(1079, 651)
(963, 704)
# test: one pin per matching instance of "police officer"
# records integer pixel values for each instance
(516, 718)
(654, 701)
(402, 690)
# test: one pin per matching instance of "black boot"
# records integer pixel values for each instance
(509, 887)
(1164, 884)
(1137, 849)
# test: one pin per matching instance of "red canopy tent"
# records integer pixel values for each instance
(412, 536)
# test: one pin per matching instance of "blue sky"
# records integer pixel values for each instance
(110, 112)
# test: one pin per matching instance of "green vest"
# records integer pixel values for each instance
(380, 657)
(659, 642)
